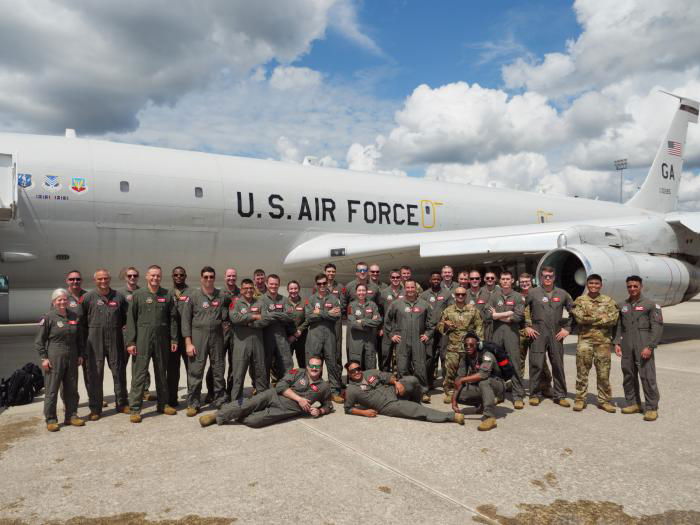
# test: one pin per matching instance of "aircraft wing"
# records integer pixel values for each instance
(690, 220)
(465, 244)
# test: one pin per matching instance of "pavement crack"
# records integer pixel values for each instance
(483, 517)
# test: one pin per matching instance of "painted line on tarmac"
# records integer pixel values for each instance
(408, 478)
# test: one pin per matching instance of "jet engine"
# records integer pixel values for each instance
(667, 281)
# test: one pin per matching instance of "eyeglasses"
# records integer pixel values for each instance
(361, 270)
(132, 276)
(354, 370)
(76, 279)
(314, 367)
(208, 277)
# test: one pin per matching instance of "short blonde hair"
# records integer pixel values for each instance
(58, 292)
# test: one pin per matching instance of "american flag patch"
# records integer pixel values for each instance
(674, 148)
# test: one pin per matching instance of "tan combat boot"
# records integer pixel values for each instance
(124, 410)
(447, 398)
(94, 416)
(207, 419)
(608, 407)
(75, 421)
(632, 409)
(52, 427)
(534, 401)
(168, 410)
(517, 405)
(147, 396)
(191, 411)
(337, 398)
(563, 402)
(459, 418)
(650, 415)
(135, 417)
(579, 405)
(425, 398)
(487, 424)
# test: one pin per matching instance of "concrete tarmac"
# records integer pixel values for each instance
(543, 464)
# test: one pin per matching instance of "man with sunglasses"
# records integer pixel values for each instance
(246, 316)
(105, 312)
(455, 322)
(131, 276)
(76, 294)
(180, 292)
(203, 316)
(639, 330)
(411, 329)
(386, 297)
(507, 309)
(375, 276)
(361, 277)
(549, 329)
(374, 392)
(322, 311)
(483, 298)
(482, 385)
(300, 392)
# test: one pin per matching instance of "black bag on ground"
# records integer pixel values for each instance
(21, 387)
(502, 358)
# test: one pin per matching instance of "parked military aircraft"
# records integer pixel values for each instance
(68, 202)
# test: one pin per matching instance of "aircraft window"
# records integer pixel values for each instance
(124, 186)
(198, 192)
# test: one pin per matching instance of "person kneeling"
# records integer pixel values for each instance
(300, 392)
(377, 392)
(482, 386)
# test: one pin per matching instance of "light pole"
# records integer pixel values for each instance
(621, 165)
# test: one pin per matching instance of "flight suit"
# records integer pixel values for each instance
(437, 345)
(361, 332)
(374, 391)
(203, 317)
(60, 339)
(410, 320)
(489, 390)
(349, 295)
(449, 289)
(507, 334)
(173, 371)
(481, 300)
(248, 346)
(277, 351)
(525, 345)
(386, 352)
(106, 318)
(547, 309)
(270, 406)
(336, 289)
(464, 319)
(639, 326)
(297, 323)
(128, 295)
(75, 305)
(320, 340)
(595, 317)
(151, 324)
(228, 296)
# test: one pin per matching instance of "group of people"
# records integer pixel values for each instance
(396, 336)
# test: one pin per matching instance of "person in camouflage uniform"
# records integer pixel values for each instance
(596, 315)
(456, 320)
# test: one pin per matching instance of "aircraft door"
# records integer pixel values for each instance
(8, 187)
(4, 300)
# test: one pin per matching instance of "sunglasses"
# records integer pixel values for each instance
(132, 276)
(354, 370)
(395, 277)
(548, 277)
(76, 279)
(314, 367)
(489, 278)
(208, 277)
(179, 275)
(475, 278)
(361, 270)
(374, 271)
(460, 294)
(322, 283)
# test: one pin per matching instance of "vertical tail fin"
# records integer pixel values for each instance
(660, 189)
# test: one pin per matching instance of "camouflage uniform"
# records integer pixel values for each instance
(595, 317)
(465, 319)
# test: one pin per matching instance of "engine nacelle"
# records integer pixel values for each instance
(667, 281)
